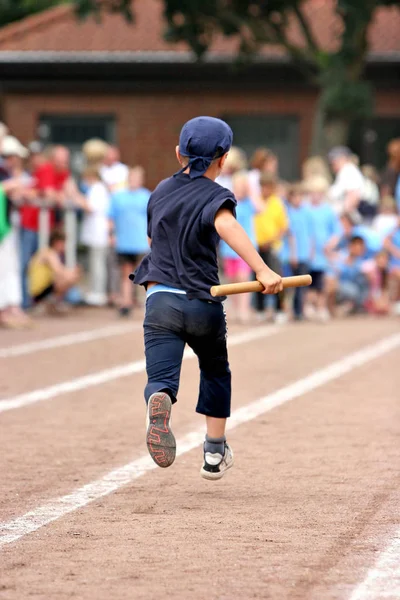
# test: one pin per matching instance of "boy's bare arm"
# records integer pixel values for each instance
(235, 236)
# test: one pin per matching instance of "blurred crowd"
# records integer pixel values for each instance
(37, 192)
(340, 223)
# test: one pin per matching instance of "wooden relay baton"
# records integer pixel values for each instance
(256, 286)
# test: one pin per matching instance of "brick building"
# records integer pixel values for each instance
(65, 81)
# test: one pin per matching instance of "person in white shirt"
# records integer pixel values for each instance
(94, 235)
(347, 189)
(113, 172)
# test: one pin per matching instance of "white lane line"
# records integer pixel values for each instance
(112, 481)
(383, 580)
(69, 340)
(80, 383)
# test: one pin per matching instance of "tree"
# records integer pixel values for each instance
(15, 10)
(344, 95)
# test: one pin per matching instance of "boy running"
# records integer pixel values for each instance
(187, 214)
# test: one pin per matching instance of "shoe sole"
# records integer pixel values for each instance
(160, 440)
(214, 476)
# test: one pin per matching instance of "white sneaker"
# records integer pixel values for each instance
(96, 299)
(215, 465)
(281, 318)
(323, 315)
(309, 312)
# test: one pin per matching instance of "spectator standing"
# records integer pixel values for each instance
(128, 219)
(113, 172)
(11, 314)
(94, 235)
(49, 178)
(298, 242)
(271, 225)
(14, 174)
(325, 233)
(346, 191)
(235, 269)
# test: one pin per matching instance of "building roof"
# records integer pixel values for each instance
(56, 34)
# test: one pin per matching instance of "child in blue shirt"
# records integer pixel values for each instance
(235, 268)
(325, 229)
(351, 285)
(128, 217)
(187, 214)
(298, 242)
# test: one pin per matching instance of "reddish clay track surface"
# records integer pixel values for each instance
(309, 507)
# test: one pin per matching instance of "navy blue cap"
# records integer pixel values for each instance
(203, 139)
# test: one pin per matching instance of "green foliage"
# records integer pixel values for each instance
(84, 8)
(346, 99)
(14, 10)
(256, 23)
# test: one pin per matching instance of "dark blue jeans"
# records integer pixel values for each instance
(29, 243)
(171, 322)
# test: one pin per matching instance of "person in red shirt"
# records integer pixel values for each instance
(49, 178)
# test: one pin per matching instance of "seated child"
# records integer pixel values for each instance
(349, 284)
(48, 278)
(235, 268)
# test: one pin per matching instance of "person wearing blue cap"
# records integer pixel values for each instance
(187, 215)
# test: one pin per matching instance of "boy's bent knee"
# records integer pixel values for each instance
(215, 366)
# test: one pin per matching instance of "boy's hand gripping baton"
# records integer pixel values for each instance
(256, 286)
